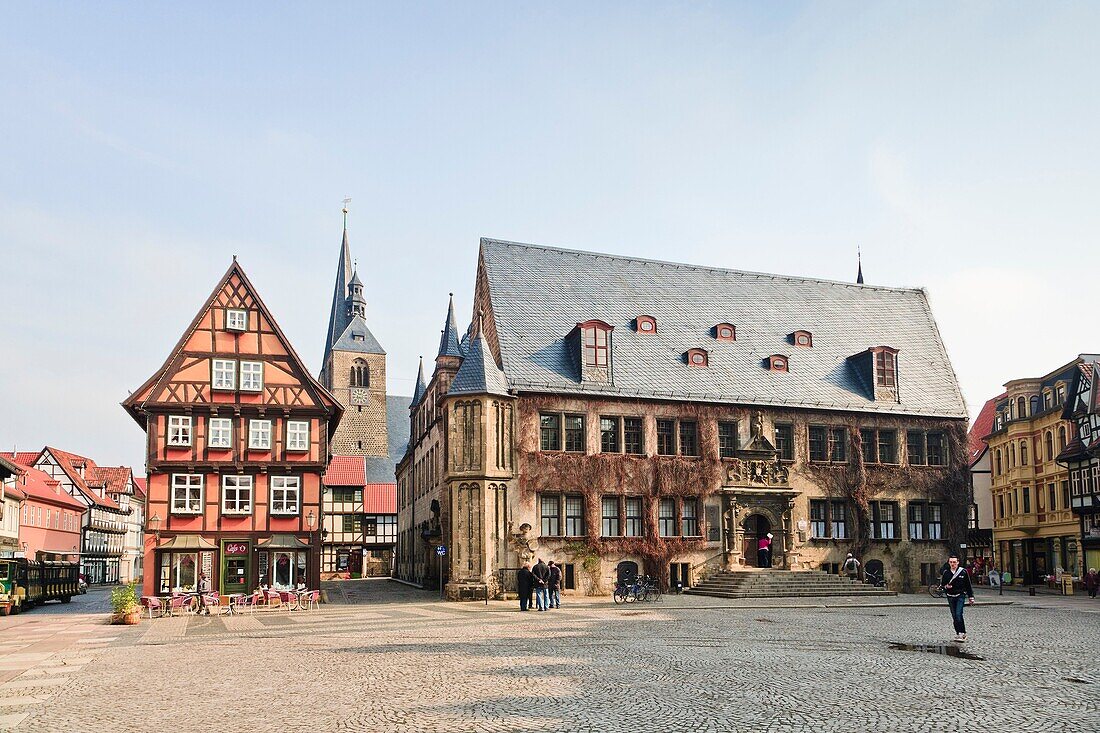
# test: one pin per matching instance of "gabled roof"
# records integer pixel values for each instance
(981, 428)
(357, 338)
(9, 468)
(538, 294)
(449, 340)
(23, 458)
(36, 484)
(114, 478)
(345, 471)
(380, 499)
(141, 487)
(479, 373)
(72, 464)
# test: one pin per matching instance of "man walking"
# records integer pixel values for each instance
(1092, 582)
(542, 582)
(525, 582)
(555, 584)
(851, 567)
(955, 582)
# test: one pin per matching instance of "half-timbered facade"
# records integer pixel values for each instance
(619, 414)
(1082, 458)
(237, 439)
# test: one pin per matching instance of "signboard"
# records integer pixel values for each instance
(236, 548)
(441, 550)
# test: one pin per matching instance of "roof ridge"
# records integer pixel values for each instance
(710, 268)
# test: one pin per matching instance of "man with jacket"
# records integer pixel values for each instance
(525, 583)
(955, 582)
(851, 567)
(542, 583)
(555, 584)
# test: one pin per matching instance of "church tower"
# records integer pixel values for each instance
(354, 366)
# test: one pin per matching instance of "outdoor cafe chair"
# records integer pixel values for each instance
(179, 603)
(311, 599)
(289, 598)
(272, 599)
(151, 604)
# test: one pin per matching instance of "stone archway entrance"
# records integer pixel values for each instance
(754, 526)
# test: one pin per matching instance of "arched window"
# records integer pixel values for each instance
(1023, 452)
(1035, 409)
(1000, 468)
(1049, 438)
(1061, 438)
(1012, 456)
(1021, 408)
(360, 374)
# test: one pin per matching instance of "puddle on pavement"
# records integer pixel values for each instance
(948, 650)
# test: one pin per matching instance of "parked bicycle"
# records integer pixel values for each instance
(642, 588)
(878, 580)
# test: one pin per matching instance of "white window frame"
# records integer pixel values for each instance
(236, 319)
(222, 427)
(185, 482)
(297, 435)
(248, 384)
(223, 374)
(259, 429)
(179, 430)
(286, 494)
(240, 485)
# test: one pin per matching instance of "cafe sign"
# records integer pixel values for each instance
(236, 548)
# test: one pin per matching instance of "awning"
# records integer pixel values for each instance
(282, 542)
(187, 542)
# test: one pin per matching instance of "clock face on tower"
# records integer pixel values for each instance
(359, 396)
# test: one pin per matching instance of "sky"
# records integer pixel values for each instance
(143, 145)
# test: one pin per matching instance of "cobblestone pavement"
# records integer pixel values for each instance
(398, 660)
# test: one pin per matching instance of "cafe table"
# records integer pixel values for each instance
(231, 604)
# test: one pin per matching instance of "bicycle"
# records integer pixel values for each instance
(878, 581)
(626, 592)
(936, 590)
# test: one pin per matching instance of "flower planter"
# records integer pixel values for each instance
(128, 619)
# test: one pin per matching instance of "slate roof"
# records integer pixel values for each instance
(375, 470)
(449, 341)
(338, 318)
(479, 373)
(421, 386)
(539, 294)
(368, 344)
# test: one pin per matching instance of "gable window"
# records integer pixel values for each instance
(259, 434)
(221, 433)
(727, 439)
(725, 332)
(1048, 399)
(224, 374)
(886, 368)
(236, 319)
(549, 432)
(696, 357)
(646, 324)
(666, 437)
(574, 433)
(297, 435)
(609, 525)
(179, 430)
(1060, 392)
(633, 436)
(784, 441)
(285, 491)
(252, 376)
(186, 493)
(802, 338)
(594, 342)
(236, 494)
(360, 374)
(777, 363)
(609, 435)
(633, 516)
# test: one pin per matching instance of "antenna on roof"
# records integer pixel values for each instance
(859, 267)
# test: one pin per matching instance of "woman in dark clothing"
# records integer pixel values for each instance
(955, 582)
(525, 584)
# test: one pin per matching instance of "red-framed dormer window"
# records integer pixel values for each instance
(886, 366)
(697, 357)
(725, 332)
(645, 324)
(778, 363)
(805, 339)
(595, 342)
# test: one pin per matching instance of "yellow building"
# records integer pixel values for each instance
(1034, 530)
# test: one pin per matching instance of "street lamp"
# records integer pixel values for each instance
(153, 525)
(311, 519)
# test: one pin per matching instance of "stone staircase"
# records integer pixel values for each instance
(769, 583)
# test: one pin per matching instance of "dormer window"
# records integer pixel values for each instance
(236, 319)
(725, 332)
(778, 363)
(645, 324)
(804, 339)
(886, 366)
(696, 357)
(595, 340)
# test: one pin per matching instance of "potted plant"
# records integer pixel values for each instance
(125, 605)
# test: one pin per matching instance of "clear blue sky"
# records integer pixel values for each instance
(142, 145)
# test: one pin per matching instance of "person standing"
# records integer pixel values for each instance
(525, 583)
(554, 584)
(955, 582)
(542, 581)
(202, 587)
(851, 567)
(764, 551)
(1092, 582)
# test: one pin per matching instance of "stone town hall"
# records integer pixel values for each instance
(613, 413)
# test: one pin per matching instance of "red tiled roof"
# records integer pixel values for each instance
(380, 499)
(346, 471)
(140, 486)
(71, 463)
(37, 484)
(981, 427)
(14, 492)
(114, 478)
(23, 457)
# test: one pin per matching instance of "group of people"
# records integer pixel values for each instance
(543, 581)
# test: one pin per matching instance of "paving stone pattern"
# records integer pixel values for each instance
(401, 661)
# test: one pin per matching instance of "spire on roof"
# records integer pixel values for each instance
(421, 387)
(479, 373)
(355, 304)
(448, 342)
(338, 314)
(859, 267)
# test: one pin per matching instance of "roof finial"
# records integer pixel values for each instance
(234, 258)
(859, 268)
(480, 320)
(346, 202)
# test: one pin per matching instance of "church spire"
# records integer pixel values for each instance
(449, 341)
(859, 267)
(421, 387)
(356, 303)
(338, 314)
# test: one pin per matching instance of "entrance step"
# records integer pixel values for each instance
(772, 583)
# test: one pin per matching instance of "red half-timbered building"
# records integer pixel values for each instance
(237, 436)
